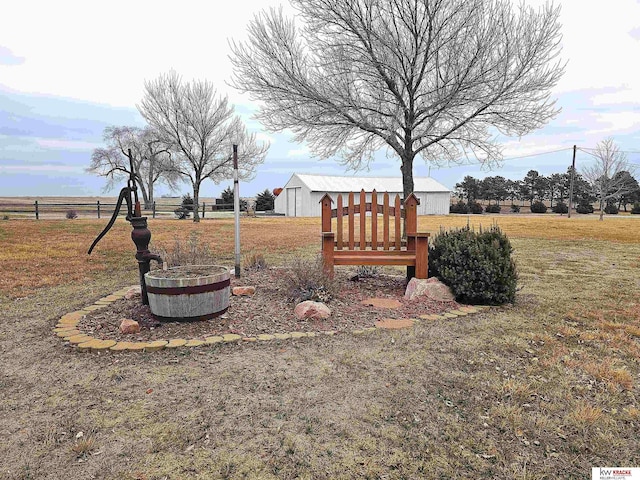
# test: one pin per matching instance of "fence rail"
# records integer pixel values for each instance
(102, 209)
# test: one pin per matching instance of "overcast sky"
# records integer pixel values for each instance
(69, 68)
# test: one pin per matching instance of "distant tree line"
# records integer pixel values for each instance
(553, 188)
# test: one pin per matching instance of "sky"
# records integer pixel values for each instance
(68, 69)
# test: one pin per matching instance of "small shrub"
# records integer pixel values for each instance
(459, 207)
(182, 213)
(611, 209)
(584, 208)
(254, 262)
(191, 252)
(475, 208)
(493, 208)
(306, 280)
(560, 208)
(6, 217)
(71, 214)
(477, 266)
(188, 202)
(515, 208)
(367, 271)
(538, 207)
(635, 210)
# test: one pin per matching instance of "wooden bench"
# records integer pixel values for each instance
(366, 248)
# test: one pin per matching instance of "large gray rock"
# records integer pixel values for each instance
(313, 310)
(430, 287)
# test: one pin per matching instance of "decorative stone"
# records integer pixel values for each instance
(311, 310)
(247, 291)
(431, 316)
(231, 337)
(214, 339)
(121, 346)
(394, 324)
(382, 302)
(137, 346)
(76, 339)
(449, 315)
(459, 313)
(72, 317)
(282, 336)
(176, 342)
(94, 307)
(468, 309)
(133, 292)
(265, 336)
(249, 339)
(431, 288)
(66, 328)
(128, 326)
(298, 334)
(68, 333)
(155, 345)
(100, 345)
(86, 346)
(194, 343)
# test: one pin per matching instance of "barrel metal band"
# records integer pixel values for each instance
(211, 287)
(189, 319)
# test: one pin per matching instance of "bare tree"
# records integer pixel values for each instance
(200, 128)
(150, 159)
(605, 174)
(435, 78)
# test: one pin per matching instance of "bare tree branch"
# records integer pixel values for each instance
(198, 127)
(435, 78)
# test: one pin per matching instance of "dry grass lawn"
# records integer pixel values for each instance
(545, 388)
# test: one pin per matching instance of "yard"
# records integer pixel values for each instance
(544, 388)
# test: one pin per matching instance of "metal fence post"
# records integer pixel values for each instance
(98, 202)
(37, 212)
(203, 209)
(154, 209)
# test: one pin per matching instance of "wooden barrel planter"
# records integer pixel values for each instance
(192, 292)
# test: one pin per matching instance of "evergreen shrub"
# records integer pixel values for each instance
(611, 209)
(538, 207)
(477, 266)
(560, 208)
(492, 208)
(636, 208)
(584, 208)
(475, 208)
(459, 207)
(515, 208)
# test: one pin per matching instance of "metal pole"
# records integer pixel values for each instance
(98, 203)
(37, 212)
(203, 209)
(573, 174)
(236, 208)
(154, 209)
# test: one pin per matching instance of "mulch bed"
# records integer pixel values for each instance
(269, 311)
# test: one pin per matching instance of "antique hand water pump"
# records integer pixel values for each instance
(140, 235)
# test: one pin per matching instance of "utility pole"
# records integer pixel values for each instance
(236, 209)
(573, 176)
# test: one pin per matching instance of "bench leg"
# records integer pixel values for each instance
(422, 257)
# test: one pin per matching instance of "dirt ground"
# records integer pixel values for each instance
(546, 388)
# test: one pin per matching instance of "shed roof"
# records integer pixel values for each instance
(335, 183)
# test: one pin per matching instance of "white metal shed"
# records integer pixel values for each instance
(301, 195)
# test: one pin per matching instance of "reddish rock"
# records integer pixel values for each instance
(431, 288)
(133, 292)
(382, 302)
(244, 291)
(312, 310)
(128, 326)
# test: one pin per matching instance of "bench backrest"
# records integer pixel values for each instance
(382, 212)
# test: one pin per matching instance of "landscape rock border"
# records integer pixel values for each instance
(67, 329)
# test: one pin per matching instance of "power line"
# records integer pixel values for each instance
(507, 159)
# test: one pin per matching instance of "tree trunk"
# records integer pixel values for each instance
(148, 204)
(143, 191)
(407, 185)
(601, 209)
(196, 201)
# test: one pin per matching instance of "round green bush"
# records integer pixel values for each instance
(636, 208)
(611, 209)
(584, 208)
(475, 208)
(538, 207)
(459, 207)
(515, 208)
(476, 266)
(560, 208)
(492, 208)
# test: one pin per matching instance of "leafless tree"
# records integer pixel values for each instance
(150, 159)
(605, 174)
(430, 78)
(200, 128)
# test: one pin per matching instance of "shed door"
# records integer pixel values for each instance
(293, 200)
